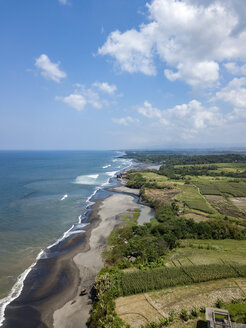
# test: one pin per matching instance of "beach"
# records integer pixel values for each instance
(89, 261)
(57, 291)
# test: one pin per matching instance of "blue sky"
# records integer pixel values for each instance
(118, 74)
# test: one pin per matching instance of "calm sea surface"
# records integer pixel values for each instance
(42, 194)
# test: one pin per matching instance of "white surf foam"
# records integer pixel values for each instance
(87, 179)
(111, 174)
(16, 290)
(64, 197)
(106, 166)
(83, 179)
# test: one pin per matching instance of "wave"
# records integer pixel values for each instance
(64, 197)
(68, 233)
(87, 179)
(111, 174)
(16, 289)
(76, 228)
(106, 166)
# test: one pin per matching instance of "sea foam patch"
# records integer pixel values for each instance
(90, 179)
(112, 173)
(106, 166)
(64, 197)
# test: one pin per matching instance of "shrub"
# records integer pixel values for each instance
(184, 315)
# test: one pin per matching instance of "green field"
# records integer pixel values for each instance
(191, 197)
(235, 189)
(137, 281)
(198, 252)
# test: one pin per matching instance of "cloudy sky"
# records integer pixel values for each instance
(117, 74)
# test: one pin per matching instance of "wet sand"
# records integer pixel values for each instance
(75, 313)
(51, 293)
(52, 282)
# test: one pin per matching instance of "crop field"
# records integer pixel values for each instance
(226, 167)
(153, 177)
(198, 252)
(225, 206)
(196, 217)
(138, 281)
(165, 196)
(141, 309)
(222, 188)
(239, 202)
(193, 199)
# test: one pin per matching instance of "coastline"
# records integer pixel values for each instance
(52, 283)
(76, 311)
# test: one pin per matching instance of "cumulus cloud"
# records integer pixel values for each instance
(186, 117)
(125, 120)
(49, 70)
(234, 93)
(191, 38)
(74, 100)
(235, 69)
(106, 87)
(83, 96)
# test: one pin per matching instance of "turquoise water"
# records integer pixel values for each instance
(42, 194)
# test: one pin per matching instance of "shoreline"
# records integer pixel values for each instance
(75, 312)
(52, 282)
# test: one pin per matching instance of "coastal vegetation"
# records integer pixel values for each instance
(198, 236)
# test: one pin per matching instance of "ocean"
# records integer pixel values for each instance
(44, 198)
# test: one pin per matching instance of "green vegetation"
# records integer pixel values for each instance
(173, 250)
(197, 252)
(158, 278)
(148, 244)
(191, 197)
(237, 310)
(182, 159)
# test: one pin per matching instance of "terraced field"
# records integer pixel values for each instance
(141, 309)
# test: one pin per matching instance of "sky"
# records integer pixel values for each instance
(122, 74)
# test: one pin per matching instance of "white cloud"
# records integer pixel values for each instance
(195, 74)
(49, 70)
(190, 37)
(125, 120)
(74, 100)
(132, 50)
(189, 117)
(106, 87)
(149, 111)
(235, 69)
(83, 96)
(234, 93)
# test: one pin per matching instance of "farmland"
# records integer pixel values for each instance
(198, 252)
(136, 282)
(141, 309)
(191, 255)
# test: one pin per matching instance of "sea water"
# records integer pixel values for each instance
(44, 196)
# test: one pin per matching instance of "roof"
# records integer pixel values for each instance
(218, 318)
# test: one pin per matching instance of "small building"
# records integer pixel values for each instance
(187, 182)
(218, 318)
(122, 175)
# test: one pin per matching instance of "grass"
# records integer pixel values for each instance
(153, 306)
(198, 252)
(128, 219)
(237, 311)
(138, 281)
(191, 197)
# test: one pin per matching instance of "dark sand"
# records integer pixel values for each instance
(51, 293)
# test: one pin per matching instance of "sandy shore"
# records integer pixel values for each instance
(88, 262)
(126, 190)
